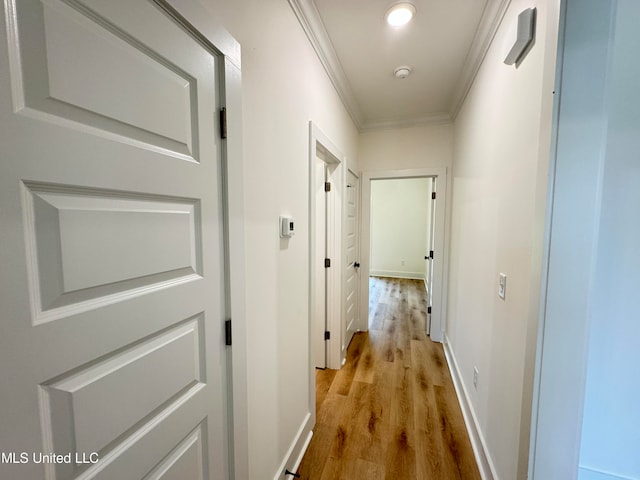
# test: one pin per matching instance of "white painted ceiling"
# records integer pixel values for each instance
(444, 45)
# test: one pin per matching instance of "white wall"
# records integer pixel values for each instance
(284, 86)
(611, 424)
(399, 215)
(405, 148)
(501, 149)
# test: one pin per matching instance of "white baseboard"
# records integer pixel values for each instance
(297, 449)
(480, 450)
(396, 274)
(588, 473)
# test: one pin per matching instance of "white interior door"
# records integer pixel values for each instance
(319, 321)
(431, 236)
(111, 266)
(352, 277)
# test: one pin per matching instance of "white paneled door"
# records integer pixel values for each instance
(352, 277)
(111, 260)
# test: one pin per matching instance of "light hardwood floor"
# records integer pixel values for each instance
(391, 412)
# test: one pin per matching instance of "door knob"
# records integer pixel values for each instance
(356, 264)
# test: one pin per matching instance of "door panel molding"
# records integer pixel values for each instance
(71, 172)
(350, 273)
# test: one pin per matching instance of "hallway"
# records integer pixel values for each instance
(391, 411)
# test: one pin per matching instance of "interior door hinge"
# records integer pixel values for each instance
(429, 310)
(223, 122)
(327, 335)
(327, 186)
(327, 262)
(227, 332)
(433, 195)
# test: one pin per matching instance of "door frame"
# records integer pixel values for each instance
(563, 330)
(441, 257)
(206, 28)
(319, 143)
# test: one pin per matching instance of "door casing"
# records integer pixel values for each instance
(321, 146)
(203, 25)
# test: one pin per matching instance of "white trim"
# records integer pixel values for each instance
(309, 18)
(303, 450)
(318, 140)
(391, 123)
(426, 287)
(440, 268)
(595, 474)
(202, 24)
(311, 22)
(237, 354)
(563, 330)
(207, 27)
(490, 21)
(296, 449)
(334, 273)
(478, 443)
(397, 274)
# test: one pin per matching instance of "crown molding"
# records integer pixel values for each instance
(309, 18)
(387, 124)
(490, 21)
(311, 22)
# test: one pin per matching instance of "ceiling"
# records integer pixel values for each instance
(444, 44)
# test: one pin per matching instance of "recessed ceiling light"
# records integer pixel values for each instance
(400, 14)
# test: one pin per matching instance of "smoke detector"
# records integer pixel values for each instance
(402, 71)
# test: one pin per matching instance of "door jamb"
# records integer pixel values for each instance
(194, 17)
(319, 144)
(441, 259)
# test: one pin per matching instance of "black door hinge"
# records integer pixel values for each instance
(429, 310)
(433, 195)
(327, 186)
(327, 262)
(227, 332)
(223, 122)
(430, 253)
(327, 335)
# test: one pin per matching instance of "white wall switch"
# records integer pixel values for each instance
(502, 286)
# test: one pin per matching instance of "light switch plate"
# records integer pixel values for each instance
(502, 286)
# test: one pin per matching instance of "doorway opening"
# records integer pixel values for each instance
(403, 234)
(326, 180)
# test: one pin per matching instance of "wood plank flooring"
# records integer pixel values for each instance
(391, 412)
